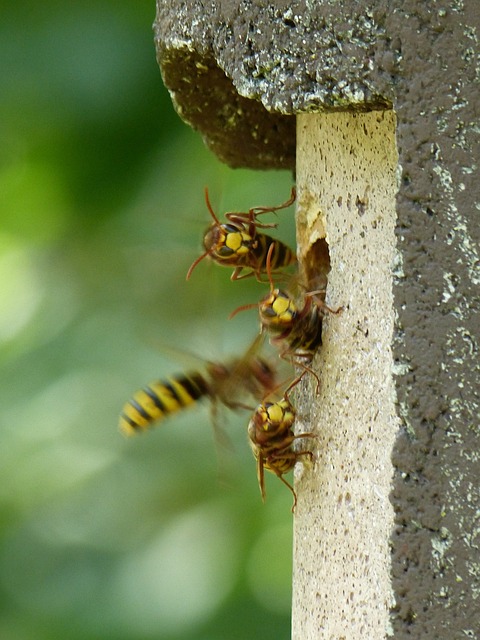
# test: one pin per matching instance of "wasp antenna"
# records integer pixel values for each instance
(261, 477)
(271, 249)
(273, 393)
(209, 207)
(291, 200)
(244, 307)
(194, 264)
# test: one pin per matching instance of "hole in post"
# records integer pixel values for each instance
(317, 266)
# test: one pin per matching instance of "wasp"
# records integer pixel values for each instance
(296, 331)
(271, 439)
(238, 244)
(249, 375)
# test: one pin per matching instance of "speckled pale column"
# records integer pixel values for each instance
(346, 181)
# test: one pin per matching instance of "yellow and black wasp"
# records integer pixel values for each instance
(271, 438)
(296, 331)
(238, 244)
(250, 375)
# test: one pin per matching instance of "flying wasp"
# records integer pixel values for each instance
(271, 439)
(249, 375)
(296, 331)
(238, 244)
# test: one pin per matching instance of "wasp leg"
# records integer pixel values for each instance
(261, 476)
(291, 358)
(249, 219)
(297, 455)
(321, 304)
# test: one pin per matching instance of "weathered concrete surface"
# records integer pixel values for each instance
(238, 130)
(222, 61)
(238, 71)
(346, 184)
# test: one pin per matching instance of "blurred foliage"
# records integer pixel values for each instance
(101, 213)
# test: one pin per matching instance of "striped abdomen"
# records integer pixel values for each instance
(281, 255)
(160, 399)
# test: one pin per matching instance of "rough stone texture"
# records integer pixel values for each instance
(238, 71)
(289, 57)
(238, 130)
(436, 547)
(346, 182)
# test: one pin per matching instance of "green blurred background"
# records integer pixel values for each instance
(101, 213)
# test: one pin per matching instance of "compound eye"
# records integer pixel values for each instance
(224, 252)
(211, 238)
(268, 312)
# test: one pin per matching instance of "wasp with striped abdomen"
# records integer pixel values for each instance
(249, 375)
(271, 438)
(238, 243)
(296, 331)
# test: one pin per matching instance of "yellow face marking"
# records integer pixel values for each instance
(233, 241)
(277, 311)
(275, 414)
(282, 307)
(238, 242)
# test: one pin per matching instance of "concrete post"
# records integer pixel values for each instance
(240, 73)
(347, 183)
